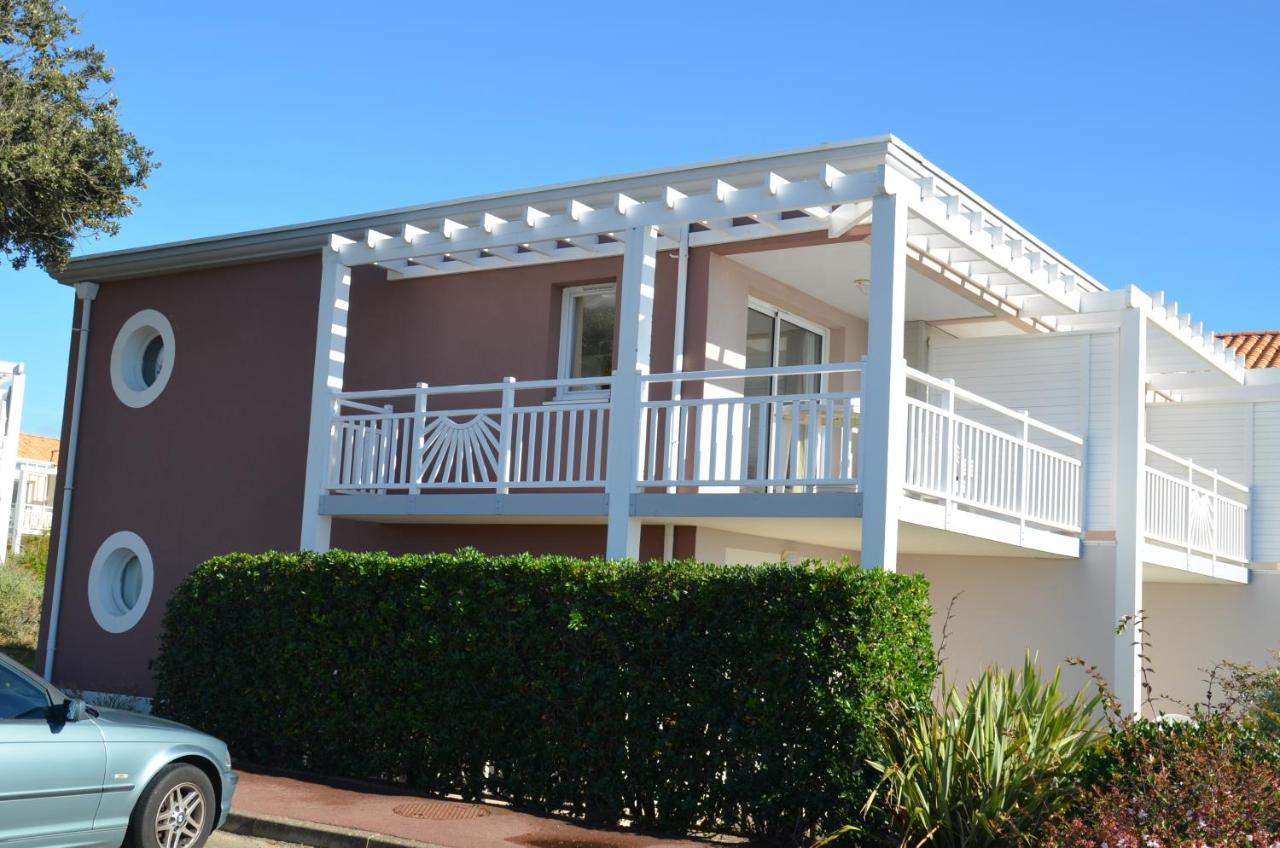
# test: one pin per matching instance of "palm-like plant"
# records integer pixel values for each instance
(986, 767)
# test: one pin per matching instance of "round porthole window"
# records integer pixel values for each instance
(121, 580)
(142, 358)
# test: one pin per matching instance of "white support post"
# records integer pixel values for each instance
(949, 451)
(504, 435)
(1131, 511)
(635, 332)
(386, 456)
(1191, 500)
(1024, 476)
(884, 411)
(18, 511)
(326, 378)
(419, 439)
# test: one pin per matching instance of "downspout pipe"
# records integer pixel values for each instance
(85, 293)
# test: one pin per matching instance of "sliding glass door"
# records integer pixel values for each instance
(776, 338)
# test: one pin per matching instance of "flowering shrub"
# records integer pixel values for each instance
(1214, 781)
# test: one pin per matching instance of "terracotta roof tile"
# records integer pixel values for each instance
(43, 448)
(1260, 348)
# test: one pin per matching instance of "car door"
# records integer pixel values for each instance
(51, 773)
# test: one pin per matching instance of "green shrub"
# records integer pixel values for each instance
(988, 767)
(676, 695)
(34, 556)
(1212, 781)
(20, 597)
(1254, 693)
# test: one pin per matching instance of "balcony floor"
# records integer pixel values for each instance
(828, 519)
(1163, 564)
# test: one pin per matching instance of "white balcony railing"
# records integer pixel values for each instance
(785, 429)
(762, 429)
(494, 436)
(35, 520)
(1195, 509)
(990, 459)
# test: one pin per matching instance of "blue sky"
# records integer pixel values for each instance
(1137, 138)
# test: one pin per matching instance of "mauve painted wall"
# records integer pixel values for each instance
(216, 462)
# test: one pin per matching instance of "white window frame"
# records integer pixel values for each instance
(564, 366)
(804, 323)
(127, 353)
(104, 579)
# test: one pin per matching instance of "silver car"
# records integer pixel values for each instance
(75, 776)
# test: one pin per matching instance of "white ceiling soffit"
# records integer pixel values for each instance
(828, 272)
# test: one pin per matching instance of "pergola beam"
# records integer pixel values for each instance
(673, 210)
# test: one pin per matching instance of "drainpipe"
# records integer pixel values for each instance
(85, 292)
(677, 358)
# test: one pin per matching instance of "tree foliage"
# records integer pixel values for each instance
(67, 167)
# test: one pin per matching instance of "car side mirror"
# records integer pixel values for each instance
(71, 709)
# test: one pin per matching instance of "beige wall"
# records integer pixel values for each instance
(1004, 606)
(733, 284)
(1194, 626)
(720, 546)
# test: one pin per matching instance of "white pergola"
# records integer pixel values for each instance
(920, 217)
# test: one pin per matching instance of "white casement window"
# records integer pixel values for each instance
(588, 317)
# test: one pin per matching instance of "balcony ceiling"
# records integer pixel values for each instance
(828, 272)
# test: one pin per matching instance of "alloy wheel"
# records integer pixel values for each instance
(180, 819)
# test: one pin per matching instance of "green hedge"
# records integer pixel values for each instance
(677, 695)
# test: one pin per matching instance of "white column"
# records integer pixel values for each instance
(330, 360)
(882, 447)
(635, 333)
(1131, 512)
(12, 426)
(19, 506)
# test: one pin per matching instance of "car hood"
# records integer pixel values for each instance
(122, 724)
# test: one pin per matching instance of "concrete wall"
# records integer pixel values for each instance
(1005, 607)
(1193, 627)
(214, 464)
(722, 546)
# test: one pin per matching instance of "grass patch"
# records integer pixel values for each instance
(25, 654)
(21, 594)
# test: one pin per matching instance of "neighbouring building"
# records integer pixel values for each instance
(34, 478)
(12, 387)
(28, 468)
(834, 351)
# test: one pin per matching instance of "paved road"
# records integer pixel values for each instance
(221, 839)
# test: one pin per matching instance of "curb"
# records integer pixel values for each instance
(313, 834)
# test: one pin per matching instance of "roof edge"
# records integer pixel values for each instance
(294, 239)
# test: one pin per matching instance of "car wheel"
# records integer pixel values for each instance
(175, 811)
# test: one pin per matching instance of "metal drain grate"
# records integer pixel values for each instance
(439, 810)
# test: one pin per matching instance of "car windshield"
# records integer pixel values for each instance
(23, 694)
(21, 697)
